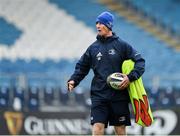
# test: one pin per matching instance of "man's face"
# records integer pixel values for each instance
(102, 29)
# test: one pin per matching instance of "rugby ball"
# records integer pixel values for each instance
(114, 80)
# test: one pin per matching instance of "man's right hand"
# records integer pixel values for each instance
(70, 85)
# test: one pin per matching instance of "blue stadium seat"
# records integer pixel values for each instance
(33, 104)
(176, 96)
(166, 97)
(4, 92)
(63, 96)
(4, 104)
(152, 94)
(33, 92)
(48, 95)
(33, 97)
(80, 95)
(19, 92)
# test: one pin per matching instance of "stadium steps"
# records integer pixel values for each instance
(145, 23)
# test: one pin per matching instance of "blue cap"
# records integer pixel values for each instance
(106, 18)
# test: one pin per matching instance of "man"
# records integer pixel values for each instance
(105, 56)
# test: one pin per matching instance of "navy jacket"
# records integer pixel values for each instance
(104, 57)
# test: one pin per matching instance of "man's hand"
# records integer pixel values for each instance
(70, 85)
(125, 82)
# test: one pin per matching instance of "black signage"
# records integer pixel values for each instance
(166, 122)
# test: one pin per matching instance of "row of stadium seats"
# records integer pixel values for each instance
(164, 97)
(33, 98)
(157, 9)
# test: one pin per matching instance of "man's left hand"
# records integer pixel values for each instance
(124, 84)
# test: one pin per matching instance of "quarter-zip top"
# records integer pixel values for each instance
(105, 56)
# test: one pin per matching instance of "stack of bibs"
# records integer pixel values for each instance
(138, 96)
